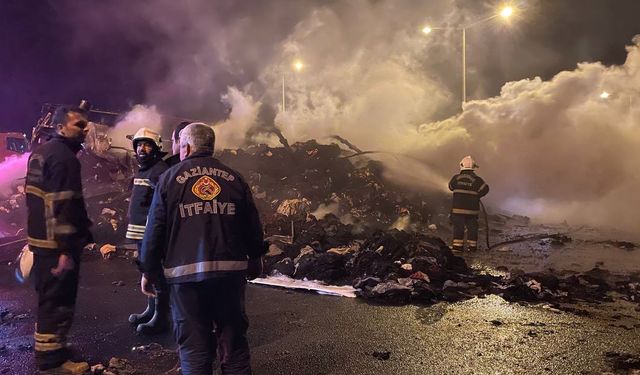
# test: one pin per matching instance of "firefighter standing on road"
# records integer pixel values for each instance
(58, 229)
(467, 189)
(147, 145)
(205, 235)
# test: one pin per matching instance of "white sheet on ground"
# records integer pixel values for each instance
(313, 285)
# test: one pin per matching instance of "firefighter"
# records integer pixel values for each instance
(175, 144)
(147, 145)
(467, 189)
(58, 229)
(204, 234)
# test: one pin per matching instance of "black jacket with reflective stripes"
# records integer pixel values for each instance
(57, 217)
(203, 223)
(467, 189)
(144, 182)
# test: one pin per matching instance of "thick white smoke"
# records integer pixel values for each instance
(140, 116)
(14, 170)
(550, 148)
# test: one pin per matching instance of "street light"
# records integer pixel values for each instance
(297, 66)
(505, 13)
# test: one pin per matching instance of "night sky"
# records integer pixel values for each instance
(42, 61)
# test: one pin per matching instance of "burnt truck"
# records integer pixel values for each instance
(12, 144)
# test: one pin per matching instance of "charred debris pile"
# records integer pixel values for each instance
(330, 215)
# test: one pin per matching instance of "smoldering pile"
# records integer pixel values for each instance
(330, 215)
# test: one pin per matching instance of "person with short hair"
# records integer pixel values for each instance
(204, 235)
(175, 144)
(58, 229)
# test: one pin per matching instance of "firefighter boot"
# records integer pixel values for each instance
(159, 323)
(146, 315)
(67, 368)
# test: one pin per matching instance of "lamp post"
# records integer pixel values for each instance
(504, 13)
(297, 66)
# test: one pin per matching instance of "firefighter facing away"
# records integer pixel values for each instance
(147, 146)
(467, 189)
(58, 230)
(204, 234)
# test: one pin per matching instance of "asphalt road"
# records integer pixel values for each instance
(303, 333)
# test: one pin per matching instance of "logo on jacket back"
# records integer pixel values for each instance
(206, 188)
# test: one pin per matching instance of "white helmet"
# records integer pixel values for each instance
(468, 164)
(146, 134)
(24, 263)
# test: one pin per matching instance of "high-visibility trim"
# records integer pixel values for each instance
(464, 212)
(46, 244)
(482, 187)
(48, 347)
(134, 236)
(45, 337)
(463, 191)
(142, 182)
(472, 242)
(54, 196)
(136, 228)
(30, 189)
(208, 266)
(458, 241)
(63, 195)
(65, 229)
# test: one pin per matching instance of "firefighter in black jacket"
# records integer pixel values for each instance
(467, 189)
(204, 234)
(147, 146)
(58, 229)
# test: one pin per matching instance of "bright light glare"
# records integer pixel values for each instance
(298, 65)
(427, 30)
(506, 12)
(604, 95)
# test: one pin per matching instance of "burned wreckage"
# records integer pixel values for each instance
(330, 215)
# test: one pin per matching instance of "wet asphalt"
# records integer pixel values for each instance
(304, 333)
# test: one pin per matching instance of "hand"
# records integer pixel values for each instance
(65, 264)
(254, 268)
(146, 287)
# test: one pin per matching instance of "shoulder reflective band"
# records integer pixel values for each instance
(142, 182)
(208, 266)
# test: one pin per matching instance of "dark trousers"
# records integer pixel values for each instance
(56, 306)
(199, 308)
(460, 223)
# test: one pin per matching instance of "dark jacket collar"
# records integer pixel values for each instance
(73, 145)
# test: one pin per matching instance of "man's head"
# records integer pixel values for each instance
(196, 137)
(175, 137)
(147, 144)
(71, 123)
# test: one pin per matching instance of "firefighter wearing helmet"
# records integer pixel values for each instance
(467, 188)
(147, 145)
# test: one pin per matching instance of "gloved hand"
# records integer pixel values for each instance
(254, 268)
